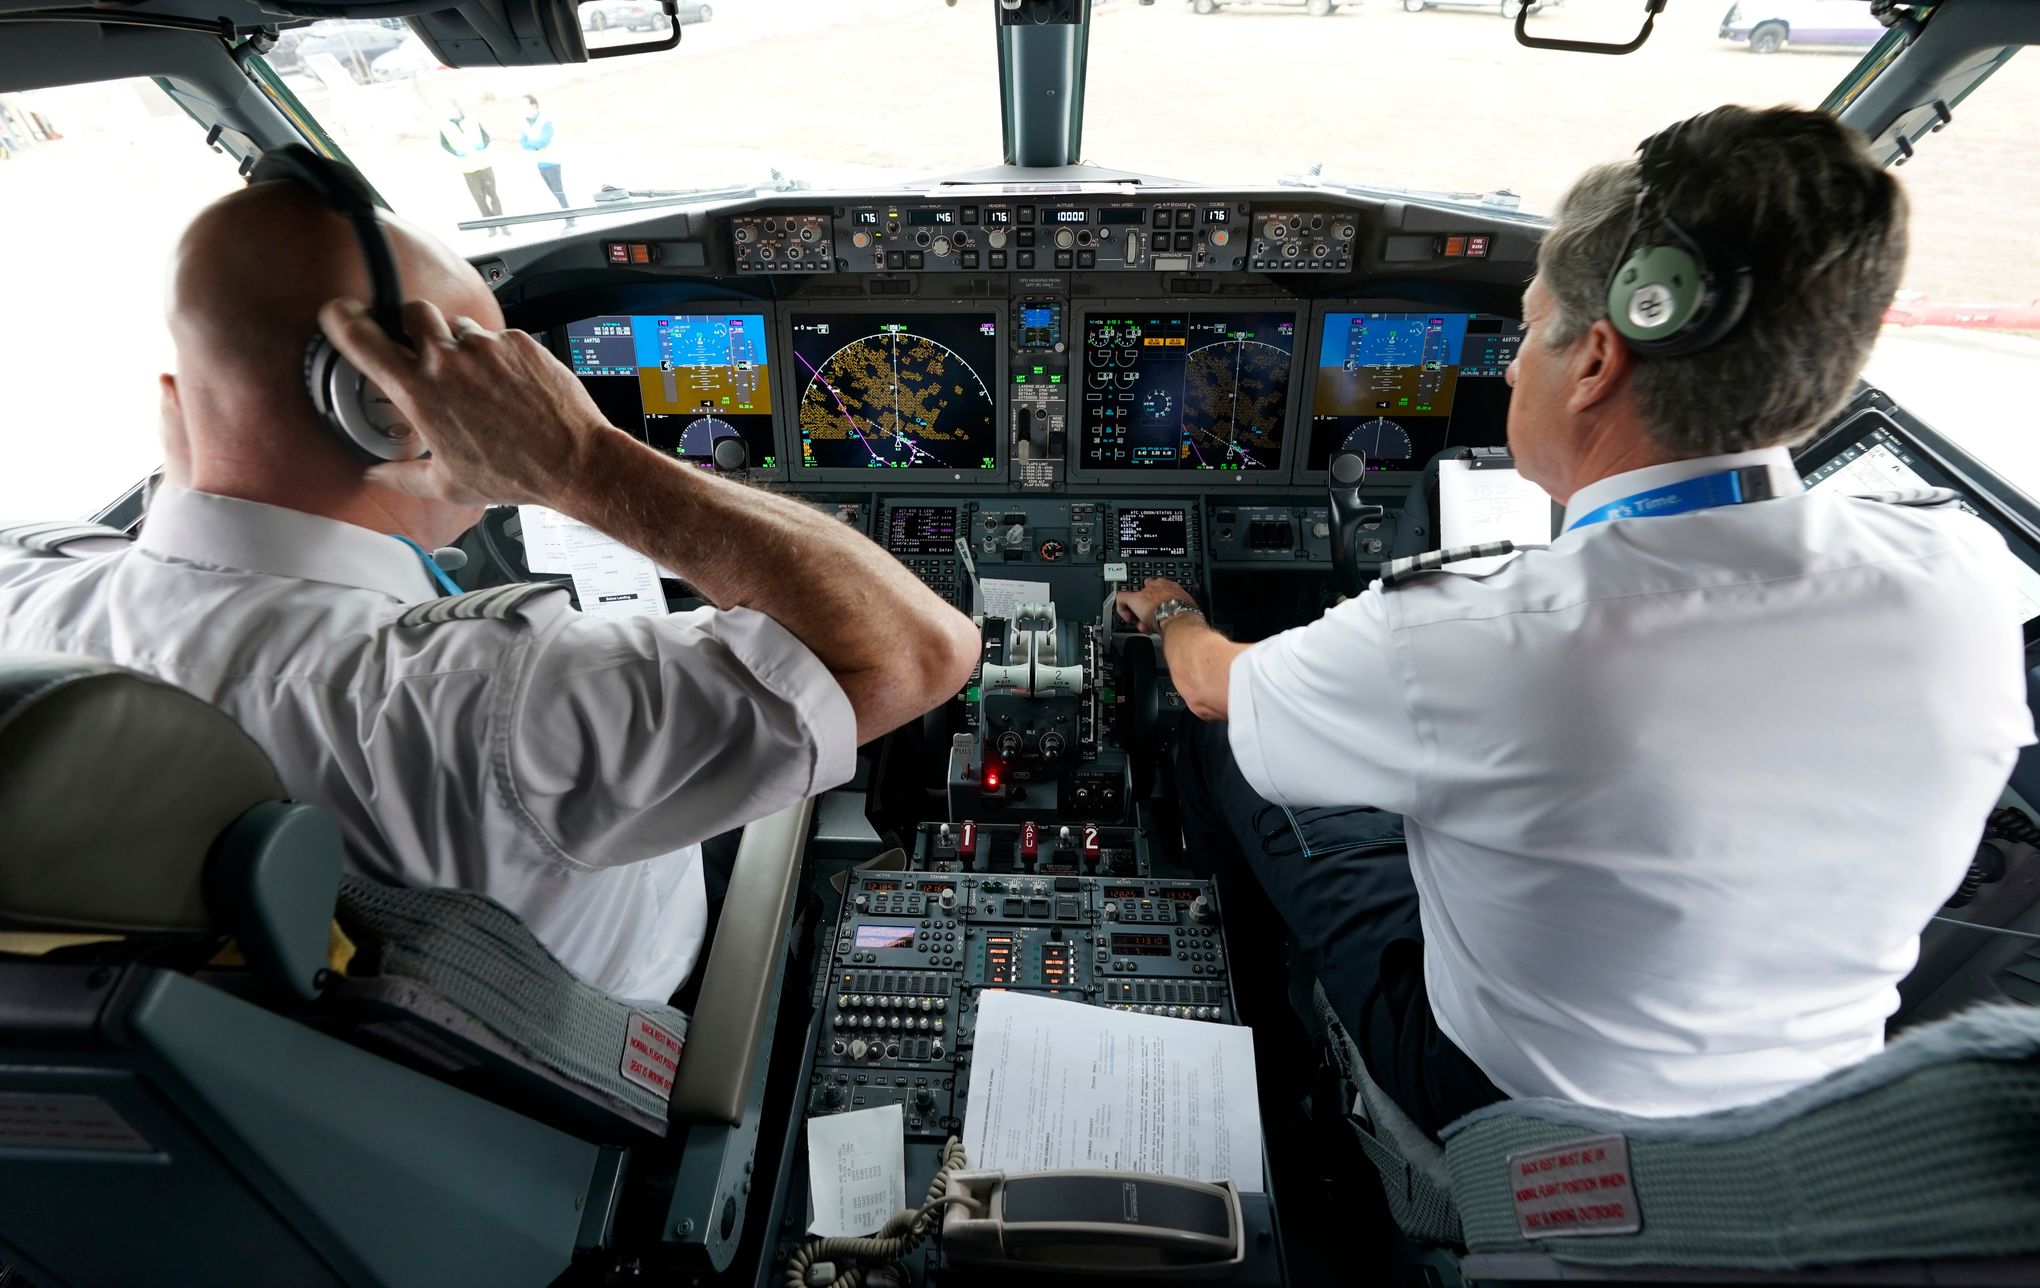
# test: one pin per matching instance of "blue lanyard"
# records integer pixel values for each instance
(446, 585)
(1730, 487)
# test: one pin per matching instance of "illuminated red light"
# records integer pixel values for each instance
(991, 780)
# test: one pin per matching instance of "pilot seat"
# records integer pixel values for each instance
(222, 1061)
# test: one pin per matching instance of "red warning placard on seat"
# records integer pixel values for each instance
(651, 1055)
(1578, 1188)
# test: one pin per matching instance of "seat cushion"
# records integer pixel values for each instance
(453, 981)
(1926, 1150)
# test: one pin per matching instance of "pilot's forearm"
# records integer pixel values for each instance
(1200, 663)
(896, 648)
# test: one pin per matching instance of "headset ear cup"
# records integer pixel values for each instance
(1656, 295)
(358, 413)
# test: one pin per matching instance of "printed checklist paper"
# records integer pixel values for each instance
(857, 1170)
(1058, 1085)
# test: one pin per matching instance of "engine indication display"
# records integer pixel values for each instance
(683, 382)
(1400, 387)
(1186, 391)
(906, 392)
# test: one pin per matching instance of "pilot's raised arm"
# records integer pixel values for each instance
(1680, 791)
(567, 766)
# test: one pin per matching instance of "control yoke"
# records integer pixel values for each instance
(1349, 515)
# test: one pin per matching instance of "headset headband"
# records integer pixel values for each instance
(348, 195)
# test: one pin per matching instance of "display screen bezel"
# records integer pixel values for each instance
(556, 341)
(1178, 480)
(1938, 470)
(891, 480)
(1320, 314)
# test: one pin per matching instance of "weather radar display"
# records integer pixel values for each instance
(911, 392)
(1176, 391)
(1399, 388)
(684, 382)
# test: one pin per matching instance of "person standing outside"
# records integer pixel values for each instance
(537, 139)
(466, 140)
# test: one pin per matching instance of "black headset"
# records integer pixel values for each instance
(359, 413)
(1672, 293)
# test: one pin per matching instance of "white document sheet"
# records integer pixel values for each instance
(1478, 506)
(857, 1170)
(1003, 597)
(551, 538)
(617, 582)
(1059, 1085)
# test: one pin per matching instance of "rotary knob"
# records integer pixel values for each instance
(858, 1046)
(996, 239)
(941, 246)
(1064, 238)
(1051, 550)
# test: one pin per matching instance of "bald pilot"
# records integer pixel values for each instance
(566, 765)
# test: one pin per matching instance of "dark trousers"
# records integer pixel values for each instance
(1339, 880)
(550, 172)
(482, 187)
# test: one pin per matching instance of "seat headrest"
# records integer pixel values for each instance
(113, 787)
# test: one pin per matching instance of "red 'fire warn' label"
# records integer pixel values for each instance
(1581, 1187)
(651, 1055)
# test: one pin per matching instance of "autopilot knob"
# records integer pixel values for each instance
(730, 454)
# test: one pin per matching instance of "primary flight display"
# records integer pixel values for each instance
(1400, 387)
(683, 382)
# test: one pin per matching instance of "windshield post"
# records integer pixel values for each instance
(1041, 81)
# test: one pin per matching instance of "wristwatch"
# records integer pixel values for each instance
(1169, 608)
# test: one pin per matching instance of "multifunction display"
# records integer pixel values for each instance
(921, 530)
(683, 382)
(913, 391)
(1185, 391)
(1401, 387)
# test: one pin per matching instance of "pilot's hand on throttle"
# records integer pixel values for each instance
(1138, 606)
(504, 419)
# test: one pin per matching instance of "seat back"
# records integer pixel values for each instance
(169, 1125)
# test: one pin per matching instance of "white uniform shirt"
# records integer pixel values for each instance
(1680, 791)
(565, 765)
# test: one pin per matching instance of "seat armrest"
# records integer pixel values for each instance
(743, 969)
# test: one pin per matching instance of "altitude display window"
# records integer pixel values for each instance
(682, 382)
(1176, 391)
(1401, 387)
(910, 393)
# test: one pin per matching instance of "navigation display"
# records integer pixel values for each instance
(921, 530)
(1881, 461)
(682, 382)
(1401, 387)
(909, 392)
(1154, 534)
(1185, 391)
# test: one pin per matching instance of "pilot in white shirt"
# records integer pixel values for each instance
(1680, 791)
(567, 765)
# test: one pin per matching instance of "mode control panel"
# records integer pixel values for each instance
(1280, 534)
(1295, 241)
(783, 243)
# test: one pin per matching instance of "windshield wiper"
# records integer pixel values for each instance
(610, 199)
(1498, 199)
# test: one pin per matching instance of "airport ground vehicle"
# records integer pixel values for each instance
(301, 1137)
(1767, 28)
